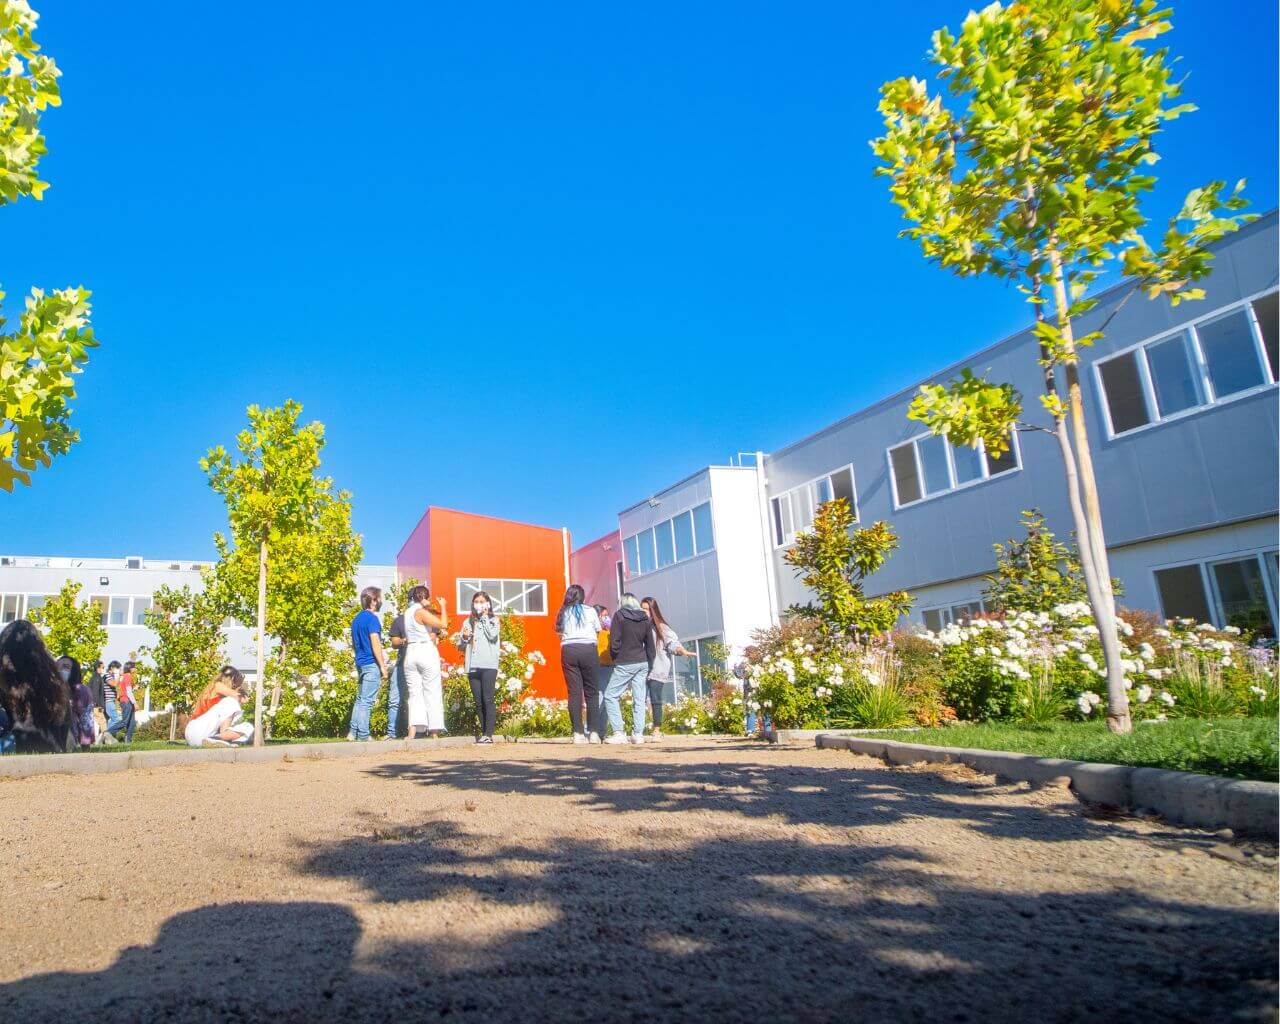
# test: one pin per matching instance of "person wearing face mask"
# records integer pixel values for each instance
(81, 701)
(110, 701)
(482, 648)
(424, 620)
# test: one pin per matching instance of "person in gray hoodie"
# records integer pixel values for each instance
(631, 647)
(482, 649)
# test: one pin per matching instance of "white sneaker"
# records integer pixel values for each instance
(594, 738)
(616, 739)
(579, 738)
(638, 740)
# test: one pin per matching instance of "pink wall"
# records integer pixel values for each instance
(594, 567)
(414, 559)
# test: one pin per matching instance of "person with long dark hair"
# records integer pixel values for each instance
(32, 693)
(631, 648)
(81, 701)
(578, 624)
(423, 623)
(482, 651)
(667, 647)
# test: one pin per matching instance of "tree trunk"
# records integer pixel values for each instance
(1101, 596)
(262, 641)
(276, 690)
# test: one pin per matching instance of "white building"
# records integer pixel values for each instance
(121, 588)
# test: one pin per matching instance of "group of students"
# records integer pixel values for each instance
(48, 707)
(604, 656)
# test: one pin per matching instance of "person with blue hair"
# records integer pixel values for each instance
(578, 624)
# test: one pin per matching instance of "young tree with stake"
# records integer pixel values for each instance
(289, 524)
(1035, 176)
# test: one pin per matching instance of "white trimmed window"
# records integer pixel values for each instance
(519, 597)
(1237, 591)
(936, 618)
(793, 511)
(683, 536)
(928, 466)
(1228, 354)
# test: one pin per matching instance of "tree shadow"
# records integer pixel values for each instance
(837, 797)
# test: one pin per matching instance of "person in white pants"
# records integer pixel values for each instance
(422, 663)
(220, 724)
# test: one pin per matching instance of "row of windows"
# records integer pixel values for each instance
(112, 611)
(520, 597)
(1238, 592)
(794, 510)
(929, 465)
(936, 618)
(1222, 356)
(673, 540)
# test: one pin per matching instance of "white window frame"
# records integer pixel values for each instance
(633, 572)
(21, 606)
(685, 642)
(785, 496)
(499, 606)
(1210, 584)
(947, 610)
(1201, 367)
(1015, 447)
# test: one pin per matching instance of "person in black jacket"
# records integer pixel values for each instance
(631, 647)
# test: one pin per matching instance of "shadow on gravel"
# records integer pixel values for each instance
(838, 797)
(663, 925)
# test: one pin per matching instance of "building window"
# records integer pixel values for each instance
(141, 605)
(621, 579)
(100, 602)
(35, 601)
(794, 510)
(1229, 592)
(10, 608)
(688, 671)
(1222, 356)
(927, 466)
(673, 540)
(935, 619)
(118, 614)
(519, 597)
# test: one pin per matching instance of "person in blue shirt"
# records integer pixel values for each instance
(371, 661)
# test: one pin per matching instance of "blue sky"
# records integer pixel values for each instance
(536, 263)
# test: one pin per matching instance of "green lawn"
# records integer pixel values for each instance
(1242, 748)
(125, 748)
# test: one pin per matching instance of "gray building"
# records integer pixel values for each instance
(1182, 415)
(121, 588)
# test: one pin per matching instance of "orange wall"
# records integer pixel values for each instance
(451, 545)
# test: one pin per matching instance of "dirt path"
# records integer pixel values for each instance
(703, 882)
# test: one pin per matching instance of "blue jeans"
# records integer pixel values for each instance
(112, 711)
(622, 677)
(397, 698)
(370, 681)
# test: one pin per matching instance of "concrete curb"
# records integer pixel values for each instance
(22, 766)
(25, 765)
(786, 735)
(1205, 801)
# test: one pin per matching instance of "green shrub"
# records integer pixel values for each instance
(1038, 702)
(864, 705)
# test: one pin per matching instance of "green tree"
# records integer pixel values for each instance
(72, 626)
(1036, 177)
(188, 648)
(53, 337)
(833, 562)
(1037, 572)
(290, 561)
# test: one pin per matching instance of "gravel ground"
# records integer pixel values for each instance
(697, 880)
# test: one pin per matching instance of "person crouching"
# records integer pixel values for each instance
(216, 719)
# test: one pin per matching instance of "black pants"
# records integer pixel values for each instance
(655, 700)
(482, 684)
(581, 664)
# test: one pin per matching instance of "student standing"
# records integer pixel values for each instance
(663, 670)
(422, 663)
(81, 701)
(126, 701)
(397, 689)
(631, 647)
(371, 662)
(602, 652)
(110, 704)
(482, 649)
(578, 626)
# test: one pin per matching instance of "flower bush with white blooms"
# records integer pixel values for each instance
(519, 711)
(315, 704)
